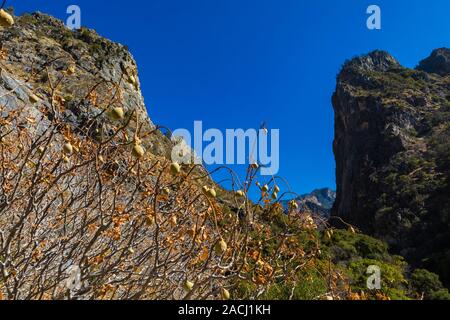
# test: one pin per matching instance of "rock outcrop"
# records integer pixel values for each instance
(392, 139)
(438, 62)
(39, 48)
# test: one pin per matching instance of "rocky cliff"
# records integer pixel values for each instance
(71, 73)
(392, 142)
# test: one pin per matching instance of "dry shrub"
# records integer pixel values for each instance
(85, 216)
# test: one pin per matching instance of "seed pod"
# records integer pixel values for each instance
(117, 113)
(6, 20)
(131, 250)
(33, 98)
(225, 294)
(276, 189)
(174, 220)
(150, 221)
(188, 285)
(265, 188)
(293, 205)
(175, 168)
(255, 165)
(205, 189)
(138, 151)
(212, 193)
(41, 150)
(132, 79)
(274, 196)
(240, 193)
(221, 247)
(68, 148)
(166, 191)
(101, 159)
(71, 69)
(66, 159)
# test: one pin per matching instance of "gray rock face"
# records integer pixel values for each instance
(376, 60)
(14, 94)
(38, 51)
(391, 133)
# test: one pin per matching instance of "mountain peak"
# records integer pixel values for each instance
(377, 60)
(358, 70)
(438, 62)
(325, 197)
(319, 201)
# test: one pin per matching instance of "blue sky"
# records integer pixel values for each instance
(236, 63)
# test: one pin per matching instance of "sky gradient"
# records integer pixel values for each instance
(236, 63)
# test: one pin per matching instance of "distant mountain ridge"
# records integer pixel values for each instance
(319, 201)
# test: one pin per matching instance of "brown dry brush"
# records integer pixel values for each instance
(88, 216)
